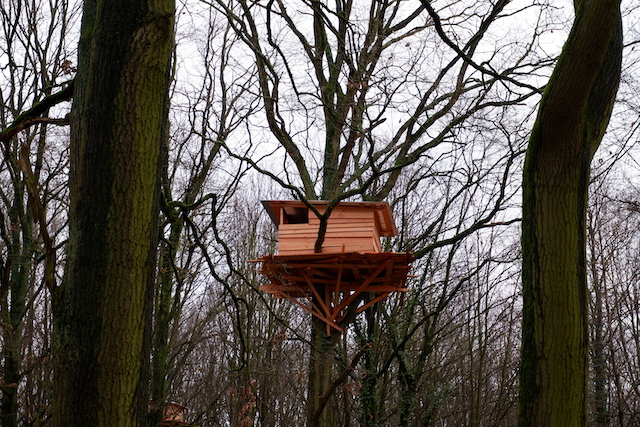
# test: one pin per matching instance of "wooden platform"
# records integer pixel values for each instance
(326, 285)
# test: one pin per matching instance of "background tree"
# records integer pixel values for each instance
(208, 113)
(572, 118)
(613, 272)
(35, 68)
(102, 309)
(355, 105)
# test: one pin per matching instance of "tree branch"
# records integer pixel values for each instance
(438, 25)
(32, 115)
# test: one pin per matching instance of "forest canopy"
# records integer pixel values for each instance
(427, 105)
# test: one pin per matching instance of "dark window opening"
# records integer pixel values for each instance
(295, 215)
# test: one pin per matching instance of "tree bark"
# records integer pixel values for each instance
(573, 115)
(101, 311)
(320, 368)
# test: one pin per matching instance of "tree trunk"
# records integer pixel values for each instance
(164, 314)
(21, 251)
(369, 394)
(598, 268)
(320, 368)
(572, 118)
(101, 311)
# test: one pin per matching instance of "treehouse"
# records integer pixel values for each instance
(174, 415)
(349, 273)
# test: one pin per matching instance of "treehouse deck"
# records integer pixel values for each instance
(327, 285)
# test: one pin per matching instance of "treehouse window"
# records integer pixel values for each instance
(295, 215)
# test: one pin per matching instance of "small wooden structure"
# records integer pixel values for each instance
(174, 416)
(351, 269)
(352, 226)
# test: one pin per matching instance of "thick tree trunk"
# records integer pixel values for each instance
(573, 116)
(101, 311)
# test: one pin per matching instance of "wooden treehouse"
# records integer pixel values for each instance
(349, 273)
(174, 416)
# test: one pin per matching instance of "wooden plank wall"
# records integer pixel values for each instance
(348, 230)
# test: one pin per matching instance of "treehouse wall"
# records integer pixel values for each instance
(348, 230)
(351, 227)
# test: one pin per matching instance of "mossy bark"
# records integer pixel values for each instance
(101, 311)
(573, 115)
